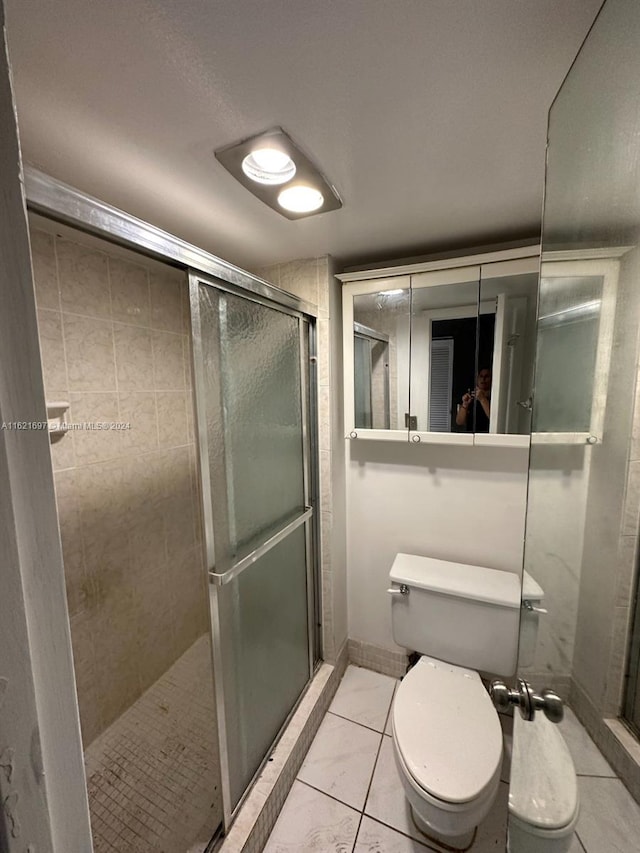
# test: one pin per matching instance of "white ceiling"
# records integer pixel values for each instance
(429, 116)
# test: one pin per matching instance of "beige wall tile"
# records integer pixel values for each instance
(134, 358)
(168, 362)
(300, 277)
(323, 285)
(166, 301)
(89, 352)
(45, 273)
(147, 550)
(122, 501)
(62, 447)
(86, 674)
(54, 366)
(84, 280)
(91, 410)
(138, 408)
(129, 292)
(172, 418)
(323, 352)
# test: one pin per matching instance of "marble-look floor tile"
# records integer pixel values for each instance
(364, 697)
(609, 816)
(387, 803)
(340, 760)
(587, 758)
(374, 837)
(311, 822)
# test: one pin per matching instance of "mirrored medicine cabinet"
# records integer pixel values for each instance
(443, 352)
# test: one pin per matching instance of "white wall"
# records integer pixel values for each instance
(465, 504)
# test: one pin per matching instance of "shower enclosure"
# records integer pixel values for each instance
(252, 366)
(190, 538)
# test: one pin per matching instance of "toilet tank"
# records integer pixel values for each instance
(532, 601)
(465, 615)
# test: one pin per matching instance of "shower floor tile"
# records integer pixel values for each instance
(153, 775)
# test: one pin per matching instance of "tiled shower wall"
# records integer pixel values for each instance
(115, 341)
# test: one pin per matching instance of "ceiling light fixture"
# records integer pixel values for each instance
(300, 199)
(269, 166)
(273, 168)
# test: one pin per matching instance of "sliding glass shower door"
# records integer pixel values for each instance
(251, 360)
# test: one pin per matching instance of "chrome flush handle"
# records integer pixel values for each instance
(527, 700)
(403, 589)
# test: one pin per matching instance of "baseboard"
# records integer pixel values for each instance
(377, 658)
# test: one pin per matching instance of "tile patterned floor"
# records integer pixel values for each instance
(348, 797)
(152, 776)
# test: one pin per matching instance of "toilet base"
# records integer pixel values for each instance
(457, 843)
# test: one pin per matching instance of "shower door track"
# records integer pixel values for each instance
(63, 203)
(60, 202)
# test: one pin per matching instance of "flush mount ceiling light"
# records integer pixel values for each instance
(300, 199)
(269, 166)
(274, 169)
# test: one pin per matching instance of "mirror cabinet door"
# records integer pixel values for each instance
(506, 346)
(381, 334)
(444, 320)
(575, 329)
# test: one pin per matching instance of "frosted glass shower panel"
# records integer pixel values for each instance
(259, 361)
(263, 616)
(569, 323)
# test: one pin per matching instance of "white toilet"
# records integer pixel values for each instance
(446, 732)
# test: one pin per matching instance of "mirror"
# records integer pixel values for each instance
(506, 349)
(442, 354)
(575, 328)
(444, 321)
(381, 333)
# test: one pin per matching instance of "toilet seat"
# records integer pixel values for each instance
(447, 733)
(543, 794)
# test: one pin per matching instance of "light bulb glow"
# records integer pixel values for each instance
(269, 166)
(300, 199)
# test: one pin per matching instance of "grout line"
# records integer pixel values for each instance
(575, 832)
(331, 796)
(356, 722)
(404, 834)
(373, 771)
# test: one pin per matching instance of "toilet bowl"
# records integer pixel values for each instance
(543, 791)
(447, 738)
(447, 744)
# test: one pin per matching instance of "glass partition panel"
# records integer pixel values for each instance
(580, 580)
(381, 358)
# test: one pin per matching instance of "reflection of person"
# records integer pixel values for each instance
(478, 402)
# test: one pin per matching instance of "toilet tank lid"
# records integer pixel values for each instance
(531, 589)
(457, 579)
